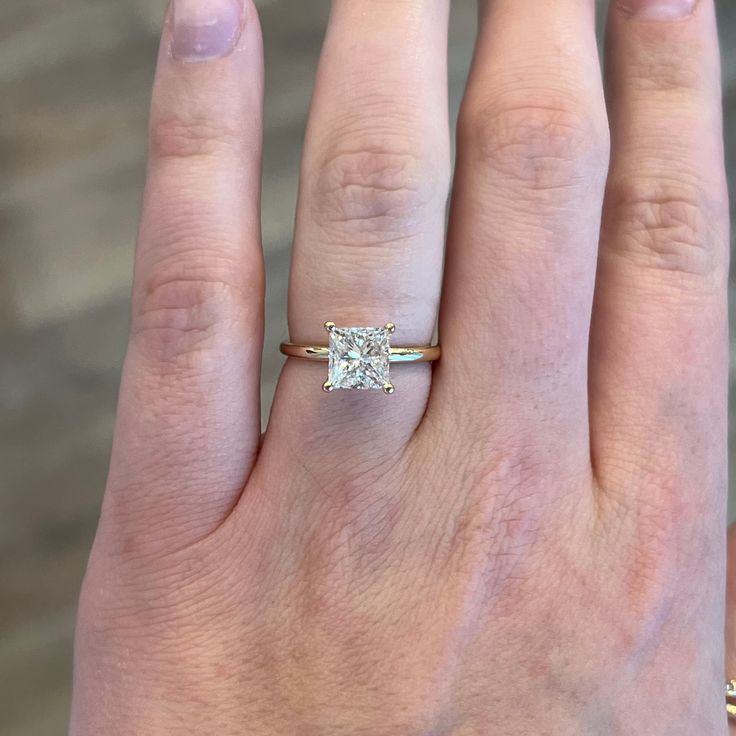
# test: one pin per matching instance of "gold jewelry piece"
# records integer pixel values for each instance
(359, 357)
(731, 699)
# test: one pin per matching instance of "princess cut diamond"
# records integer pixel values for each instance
(359, 358)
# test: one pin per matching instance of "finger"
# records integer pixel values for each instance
(188, 425)
(659, 340)
(370, 223)
(532, 157)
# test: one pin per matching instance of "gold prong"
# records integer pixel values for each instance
(330, 326)
(388, 388)
(327, 387)
(391, 327)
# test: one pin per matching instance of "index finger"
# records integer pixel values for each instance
(189, 420)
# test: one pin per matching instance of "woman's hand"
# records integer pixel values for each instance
(527, 539)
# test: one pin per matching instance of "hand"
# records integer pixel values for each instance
(528, 538)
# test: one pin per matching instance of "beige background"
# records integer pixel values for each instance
(74, 84)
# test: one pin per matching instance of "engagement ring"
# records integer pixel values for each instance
(360, 357)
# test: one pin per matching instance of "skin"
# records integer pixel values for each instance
(526, 538)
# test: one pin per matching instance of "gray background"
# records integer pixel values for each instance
(74, 85)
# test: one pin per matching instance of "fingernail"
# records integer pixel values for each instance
(205, 29)
(659, 9)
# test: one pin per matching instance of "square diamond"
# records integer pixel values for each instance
(359, 357)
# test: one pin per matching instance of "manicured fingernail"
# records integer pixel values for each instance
(205, 29)
(659, 9)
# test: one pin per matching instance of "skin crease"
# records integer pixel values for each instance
(527, 538)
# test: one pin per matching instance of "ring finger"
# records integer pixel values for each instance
(370, 222)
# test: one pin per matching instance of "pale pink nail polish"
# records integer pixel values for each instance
(659, 9)
(205, 29)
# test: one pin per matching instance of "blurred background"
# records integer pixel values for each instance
(74, 85)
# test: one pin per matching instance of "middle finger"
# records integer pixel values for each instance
(532, 160)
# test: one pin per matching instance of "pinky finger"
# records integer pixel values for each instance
(189, 419)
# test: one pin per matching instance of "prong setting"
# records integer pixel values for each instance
(359, 357)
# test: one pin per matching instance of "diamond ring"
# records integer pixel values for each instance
(360, 357)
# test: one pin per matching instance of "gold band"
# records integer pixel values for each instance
(320, 353)
(731, 699)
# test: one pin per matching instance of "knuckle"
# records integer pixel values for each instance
(546, 144)
(181, 137)
(650, 519)
(644, 577)
(371, 194)
(664, 224)
(667, 70)
(195, 278)
(178, 312)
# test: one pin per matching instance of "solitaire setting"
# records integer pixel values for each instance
(359, 358)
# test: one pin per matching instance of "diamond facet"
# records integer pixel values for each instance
(359, 357)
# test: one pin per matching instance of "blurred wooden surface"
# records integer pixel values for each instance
(74, 85)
